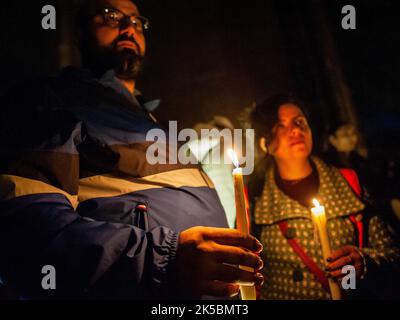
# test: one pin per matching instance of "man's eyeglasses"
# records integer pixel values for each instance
(115, 19)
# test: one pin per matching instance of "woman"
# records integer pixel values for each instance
(282, 212)
(342, 149)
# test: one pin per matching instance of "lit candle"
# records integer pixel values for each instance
(247, 292)
(319, 217)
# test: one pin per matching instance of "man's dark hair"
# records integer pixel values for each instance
(265, 115)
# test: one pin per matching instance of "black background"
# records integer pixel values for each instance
(218, 57)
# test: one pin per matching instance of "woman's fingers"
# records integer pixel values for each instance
(337, 274)
(340, 253)
(340, 263)
(352, 258)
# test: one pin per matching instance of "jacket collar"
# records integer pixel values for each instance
(334, 193)
(109, 79)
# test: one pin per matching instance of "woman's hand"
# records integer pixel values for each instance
(346, 256)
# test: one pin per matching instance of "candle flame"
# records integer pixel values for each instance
(234, 157)
(316, 203)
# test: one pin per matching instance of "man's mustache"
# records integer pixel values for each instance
(128, 38)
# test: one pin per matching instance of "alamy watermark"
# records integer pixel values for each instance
(49, 20)
(188, 147)
(348, 282)
(349, 20)
(49, 280)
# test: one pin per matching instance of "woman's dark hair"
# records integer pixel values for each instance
(263, 118)
(265, 115)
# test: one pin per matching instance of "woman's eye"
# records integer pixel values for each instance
(301, 123)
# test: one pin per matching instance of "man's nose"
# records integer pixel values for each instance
(128, 28)
(129, 31)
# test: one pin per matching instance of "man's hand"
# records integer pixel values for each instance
(346, 256)
(202, 258)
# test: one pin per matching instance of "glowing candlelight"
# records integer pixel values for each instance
(319, 217)
(235, 161)
(247, 293)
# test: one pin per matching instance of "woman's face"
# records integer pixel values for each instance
(345, 138)
(292, 135)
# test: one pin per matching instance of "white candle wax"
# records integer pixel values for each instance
(319, 217)
(247, 292)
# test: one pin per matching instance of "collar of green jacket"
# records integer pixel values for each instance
(334, 193)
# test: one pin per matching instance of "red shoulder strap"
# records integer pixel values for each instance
(352, 179)
(310, 264)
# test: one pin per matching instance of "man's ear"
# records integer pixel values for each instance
(262, 143)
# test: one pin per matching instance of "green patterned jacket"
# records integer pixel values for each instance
(286, 277)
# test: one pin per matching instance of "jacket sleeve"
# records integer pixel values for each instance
(383, 248)
(39, 224)
(382, 259)
(44, 229)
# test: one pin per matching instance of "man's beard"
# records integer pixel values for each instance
(126, 62)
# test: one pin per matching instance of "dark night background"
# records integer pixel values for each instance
(218, 57)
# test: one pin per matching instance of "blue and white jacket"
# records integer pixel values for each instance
(73, 171)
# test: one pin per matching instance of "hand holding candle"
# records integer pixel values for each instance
(248, 293)
(319, 217)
